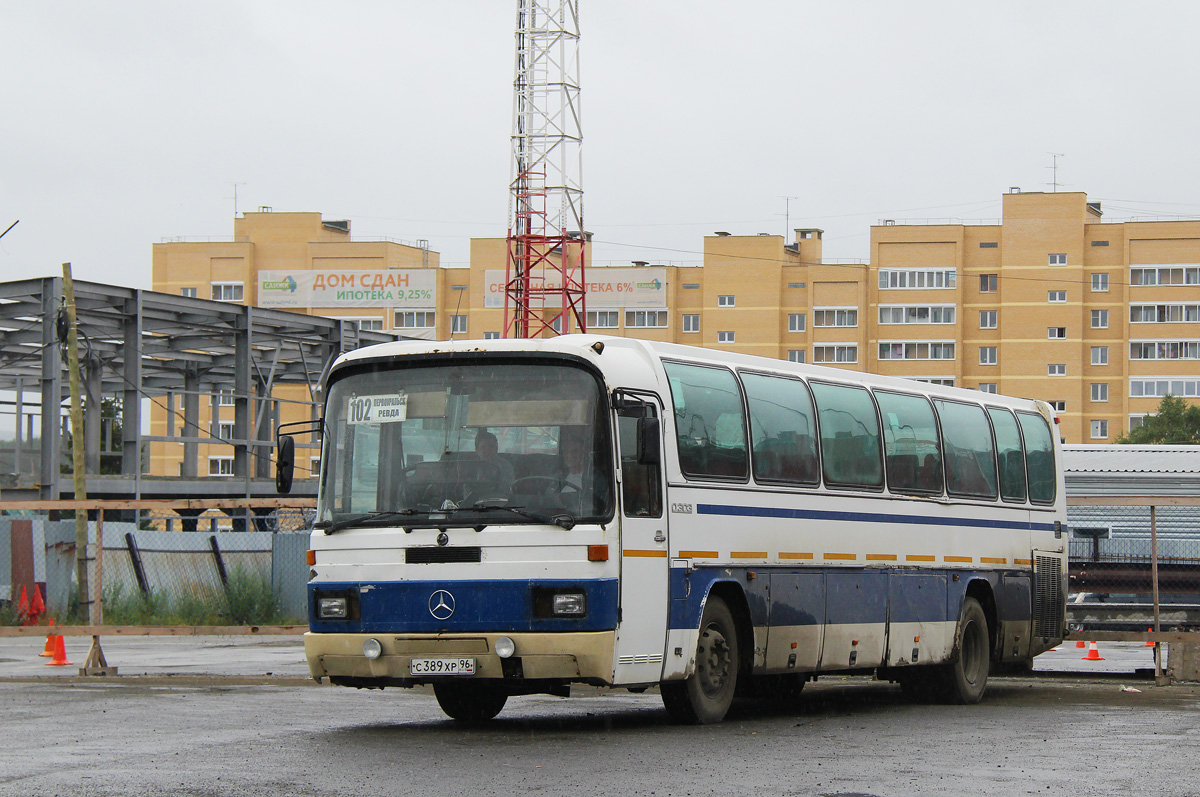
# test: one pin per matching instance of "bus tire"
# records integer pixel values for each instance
(965, 678)
(470, 702)
(706, 695)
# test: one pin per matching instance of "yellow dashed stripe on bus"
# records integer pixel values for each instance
(963, 559)
(651, 553)
(1022, 561)
(993, 560)
(794, 555)
(847, 556)
(881, 557)
(748, 554)
(698, 554)
(920, 557)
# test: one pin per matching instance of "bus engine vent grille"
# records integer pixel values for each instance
(1048, 601)
(433, 556)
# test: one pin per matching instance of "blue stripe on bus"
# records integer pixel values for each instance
(479, 606)
(866, 517)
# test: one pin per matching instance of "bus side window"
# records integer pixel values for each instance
(911, 447)
(1039, 457)
(782, 428)
(1009, 455)
(970, 453)
(641, 486)
(710, 424)
(850, 450)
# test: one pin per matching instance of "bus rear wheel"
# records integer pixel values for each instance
(966, 677)
(470, 702)
(706, 695)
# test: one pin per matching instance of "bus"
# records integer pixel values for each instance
(511, 517)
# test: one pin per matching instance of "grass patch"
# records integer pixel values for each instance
(247, 599)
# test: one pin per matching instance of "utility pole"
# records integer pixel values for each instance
(77, 468)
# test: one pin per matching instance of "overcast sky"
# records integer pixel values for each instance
(124, 123)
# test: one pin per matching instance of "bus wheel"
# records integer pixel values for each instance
(966, 677)
(469, 702)
(706, 696)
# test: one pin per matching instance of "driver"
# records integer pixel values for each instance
(487, 450)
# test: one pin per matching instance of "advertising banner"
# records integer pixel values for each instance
(415, 288)
(607, 288)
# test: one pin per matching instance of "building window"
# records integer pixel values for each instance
(1056, 332)
(1164, 350)
(796, 322)
(227, 291)
(944, 381)
(225, 430)
(314, 466)
(691, 286)
(916, 350)
(1099, 319)
(645, 318)
(1100, 283)
(220, 466)
(796, 355)
(225, 397)
(1166, 275)
(836, 353)
(1056, 296)
(1099, 430)
(725, 300)
(835, 317)
(557, 324)
(1164, 313)
(491, 335)
(458, 325)
(1161, 386)
(917, 314)
(369, 324)
(989, 319)
(796, 284)
(691, 322)
(987, 355)
(1099, 243)
(604, 319)
(1099, 355)
(415, 319)
(1059, 406)
(458, 287)
(1056, 369)
(1099, 391)
(989, 245)
(987, 387)
(725, 337)
(910, 278)
(1058, 260)
(1137, 421)
(988, 283)
(189, 292)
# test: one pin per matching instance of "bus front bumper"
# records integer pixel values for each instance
(567, 656)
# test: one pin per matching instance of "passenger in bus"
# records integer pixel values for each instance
(499, 475)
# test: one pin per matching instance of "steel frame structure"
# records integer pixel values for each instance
(138, 344)
(547, 242)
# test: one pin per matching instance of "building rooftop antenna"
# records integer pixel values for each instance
(1053, 167)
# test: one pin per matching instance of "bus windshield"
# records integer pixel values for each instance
(465, 444)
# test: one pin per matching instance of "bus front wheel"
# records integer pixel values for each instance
(706, 695)
(469, 702)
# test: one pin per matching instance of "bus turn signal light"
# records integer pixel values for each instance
(597, 553)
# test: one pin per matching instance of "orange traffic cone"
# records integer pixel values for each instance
(1149, 642)
(1081, 644)
(49, 651)
(37, 607)
(60, 654)
(1093, 653)
(23, 607)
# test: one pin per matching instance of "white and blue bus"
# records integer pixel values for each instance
(510, 517)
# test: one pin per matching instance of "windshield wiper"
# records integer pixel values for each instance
(368, 517)
(562, 520)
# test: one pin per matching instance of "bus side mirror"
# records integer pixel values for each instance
(285, 464)
(649, 441)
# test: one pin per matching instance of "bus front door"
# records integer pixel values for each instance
(642, 627)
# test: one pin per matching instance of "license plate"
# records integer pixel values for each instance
(441, 667)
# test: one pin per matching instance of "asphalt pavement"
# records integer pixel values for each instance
(282, 657)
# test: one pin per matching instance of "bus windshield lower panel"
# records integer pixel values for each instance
(466, 444)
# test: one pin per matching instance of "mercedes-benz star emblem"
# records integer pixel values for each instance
(441, 605)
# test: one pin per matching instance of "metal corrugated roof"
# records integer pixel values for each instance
(1131, 459)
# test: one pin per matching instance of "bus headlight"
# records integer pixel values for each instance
(372, 649)
(332, 608)
(570, 604)
(505, 647)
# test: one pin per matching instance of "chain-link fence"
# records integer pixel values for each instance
(140, 573)
(1123, 558)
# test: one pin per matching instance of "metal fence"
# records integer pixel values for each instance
(140, 573)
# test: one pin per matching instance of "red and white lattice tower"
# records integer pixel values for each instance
(544, 284)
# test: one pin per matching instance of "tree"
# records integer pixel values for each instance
(1176, 422)
(111, 437)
